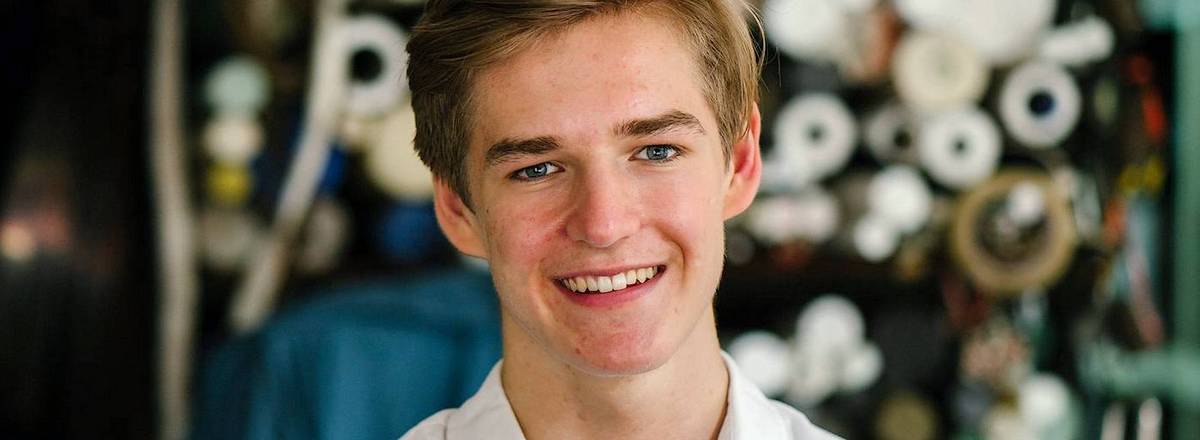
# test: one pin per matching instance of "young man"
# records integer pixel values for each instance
(590, 151)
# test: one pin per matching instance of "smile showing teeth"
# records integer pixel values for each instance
(603, 284)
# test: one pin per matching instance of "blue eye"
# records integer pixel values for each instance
(536, 172)
(658, 153)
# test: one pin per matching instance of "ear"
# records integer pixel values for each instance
(457, 221)
(745, 167)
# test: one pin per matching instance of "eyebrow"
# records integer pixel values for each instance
(669, 121)
(511, 149)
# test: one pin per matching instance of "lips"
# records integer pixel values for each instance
(596, 284)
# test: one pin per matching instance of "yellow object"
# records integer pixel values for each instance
(229, 186)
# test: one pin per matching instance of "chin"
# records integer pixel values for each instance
(621, 357)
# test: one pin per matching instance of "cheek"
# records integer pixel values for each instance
(517, 231)
(689, 208)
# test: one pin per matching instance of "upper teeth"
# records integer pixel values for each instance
(605, 284)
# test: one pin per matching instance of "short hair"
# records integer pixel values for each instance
(456, 39)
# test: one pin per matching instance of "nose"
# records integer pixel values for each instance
(606, 209)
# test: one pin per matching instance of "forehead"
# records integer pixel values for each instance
(578, 83)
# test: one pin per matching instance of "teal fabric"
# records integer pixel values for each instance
(361, 362)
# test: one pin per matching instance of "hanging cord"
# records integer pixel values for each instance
(177, 280)
(258, 291)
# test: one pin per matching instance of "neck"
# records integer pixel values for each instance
(683, 398)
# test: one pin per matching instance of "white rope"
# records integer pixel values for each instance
(177, 265)
(258, 291)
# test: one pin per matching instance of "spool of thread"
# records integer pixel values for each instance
(829, 352)
(233, 138)
(1002, 258)
(875, 239)
(374, 51)
(1039, 104)
(325, 236)
(811, 215)
(237, 84)
(765, 359)
(932, 72)
(393, 164)
(891, 136)
(227, 237)
(1002, 32)
(804, 29)
(815, 137)
(898, 195)
(830, 323)
(1085, 41)
(960, 148)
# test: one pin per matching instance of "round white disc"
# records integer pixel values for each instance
(890, 135)
(935, 73)
(899, 196)
(391, 161)
(875, 239)
(1002, 31)
(815, 136)
(804, 28)
(830, 322)
(1040, 104)
(238, 84)
(233, 138)
(374, 35)
(764, 358)
(960, 148)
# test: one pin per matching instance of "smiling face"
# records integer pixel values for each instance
(595, 162)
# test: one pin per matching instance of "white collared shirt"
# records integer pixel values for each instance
(748, 416)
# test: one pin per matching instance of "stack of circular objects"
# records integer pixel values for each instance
(969, 157)
(236, 90)
(379, 124)
(827, 354)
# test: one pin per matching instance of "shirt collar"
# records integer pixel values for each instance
(748, 413)
(487, 414)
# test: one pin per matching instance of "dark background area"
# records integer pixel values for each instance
(76, 321)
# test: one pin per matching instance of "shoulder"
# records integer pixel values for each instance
(798, 425)
(432, 428)
(751, 415)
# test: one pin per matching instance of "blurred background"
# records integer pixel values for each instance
(980, 219)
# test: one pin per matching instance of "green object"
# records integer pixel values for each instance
(1172, 373)
(1186, 292)
(239, 84)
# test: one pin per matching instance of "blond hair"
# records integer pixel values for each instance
(455, 39)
